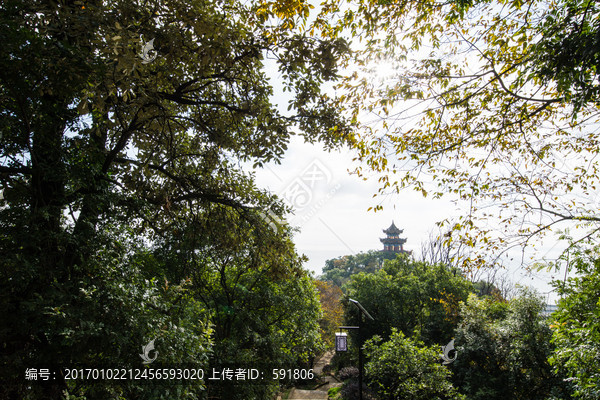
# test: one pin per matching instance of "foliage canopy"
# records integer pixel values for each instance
(503, 350)
(418, 299)
(493, 102)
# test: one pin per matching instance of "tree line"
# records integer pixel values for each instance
(501, 347)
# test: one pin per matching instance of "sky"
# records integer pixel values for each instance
(331, 211)
(331, 205)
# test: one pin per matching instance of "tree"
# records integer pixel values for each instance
(103, 133)
(576, 327)
(495, 282)
(330, 297)
(490, 280)
(264, 324)
(494, 102)
(503, 350)
(418, 299)
(262, 316)
(339, 270)
(402, 368)
(440, 249)
(101, 320)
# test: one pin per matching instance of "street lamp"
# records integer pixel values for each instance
(362, 309)
(340, 342)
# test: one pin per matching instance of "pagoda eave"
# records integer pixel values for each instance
(392, 241)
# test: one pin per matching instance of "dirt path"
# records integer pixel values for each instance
(321, 392)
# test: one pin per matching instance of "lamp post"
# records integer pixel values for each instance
(340, 342)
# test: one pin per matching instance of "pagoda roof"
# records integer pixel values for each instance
(393, 230)
(389, 240)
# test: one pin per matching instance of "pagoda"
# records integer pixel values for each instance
(393, 242)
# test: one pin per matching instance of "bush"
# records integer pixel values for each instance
(404, 369)
(350, 391)
(348, 373)
(334, 393)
